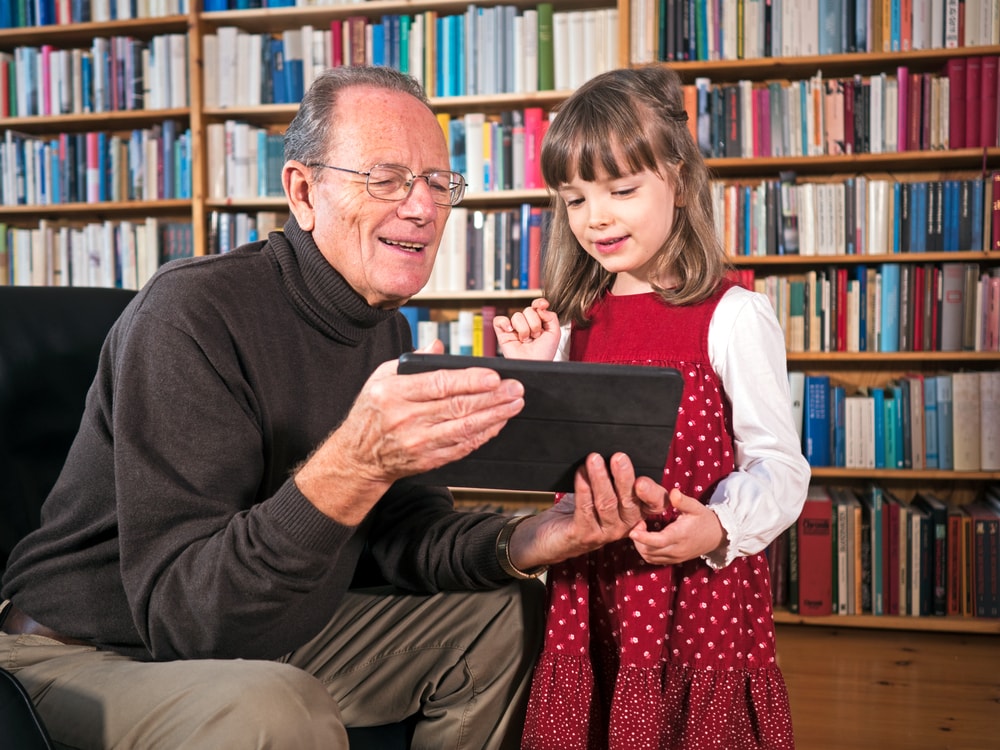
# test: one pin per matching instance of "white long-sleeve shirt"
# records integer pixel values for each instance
(765, 493)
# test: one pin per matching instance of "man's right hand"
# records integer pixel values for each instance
(402, 425)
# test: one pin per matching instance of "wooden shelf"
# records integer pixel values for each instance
(77, 33)
(119, 120)
(894, 622)
(811, 261)
(100, 210)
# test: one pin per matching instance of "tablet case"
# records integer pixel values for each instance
(571, 409)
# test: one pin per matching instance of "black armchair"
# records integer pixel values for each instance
(50, 339)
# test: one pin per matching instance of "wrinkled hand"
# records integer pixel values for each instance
(531, 334)
(603, 508)
(696, 531)
(402, 425)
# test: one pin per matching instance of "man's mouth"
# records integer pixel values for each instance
(413, 247)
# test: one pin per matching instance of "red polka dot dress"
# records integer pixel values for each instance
(644, 657)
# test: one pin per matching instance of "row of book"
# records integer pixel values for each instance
(493, 152)
(23, 13)
(889, 307)
(149, 164)
(491, 250)
(105, 254)
(228, 230)
(467, 331)
(114, 74)
(668, 30)
(881, 113)
(857, 551)
(857, 215)
(244, 160)
(948, 421)
(485, 50)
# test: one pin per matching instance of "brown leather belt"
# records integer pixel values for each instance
(15, 622)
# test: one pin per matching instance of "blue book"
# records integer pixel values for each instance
(918, 216)
(951, 209)
(861, 274)
(524, 256)
(890, 418)
(278, 72)
(831, 27)
(976, 211)
(378, 43)
(414, 314)
(889, 339)
(901, 411)
(214, 5)
(816, 426)
(944, 424)
(280, 3)
(897, 227)
(931, 457)
(839, 395)
(878, 398)
(168, 138)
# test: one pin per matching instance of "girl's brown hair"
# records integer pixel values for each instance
(620, 123)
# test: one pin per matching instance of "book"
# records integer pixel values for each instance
(966, 412)
(985, 558)
(817, 420)
(815, 545)
(937, 512)
(989, 420)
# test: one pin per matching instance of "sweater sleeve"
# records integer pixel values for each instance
(765, 493)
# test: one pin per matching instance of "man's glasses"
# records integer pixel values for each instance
(393, 182)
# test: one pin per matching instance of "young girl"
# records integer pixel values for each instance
(666, 639)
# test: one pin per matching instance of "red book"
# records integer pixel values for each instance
(973, 103)
(918, 308)
(814, 529)
(988, 113)
(955, 70)
(533, 132)
(336, 43)
(914, 112)
(902, 108)
(995, 225)
(535, 248)
(842, 281)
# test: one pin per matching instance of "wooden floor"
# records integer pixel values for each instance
(854, 689)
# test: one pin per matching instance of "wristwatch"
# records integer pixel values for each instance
(503, 551)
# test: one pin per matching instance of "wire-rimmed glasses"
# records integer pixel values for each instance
(393, 182)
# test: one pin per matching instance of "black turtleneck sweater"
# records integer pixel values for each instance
(175, 530)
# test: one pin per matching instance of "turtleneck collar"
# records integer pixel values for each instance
(321, 294)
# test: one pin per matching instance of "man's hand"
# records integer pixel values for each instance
(402, 425)
(603, 508)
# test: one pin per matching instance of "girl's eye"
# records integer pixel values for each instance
(624, 191)
(574, 201)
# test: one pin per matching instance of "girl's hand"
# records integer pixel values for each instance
(696, 531)
(531, 334)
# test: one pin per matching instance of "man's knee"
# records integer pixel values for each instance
(268, 704)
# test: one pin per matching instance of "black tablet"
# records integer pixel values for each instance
(571, 409)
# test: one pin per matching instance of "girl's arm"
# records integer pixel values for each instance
(765, 493)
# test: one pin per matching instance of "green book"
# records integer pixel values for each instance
(546, 54)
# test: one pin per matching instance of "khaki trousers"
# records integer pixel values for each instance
(462, 661)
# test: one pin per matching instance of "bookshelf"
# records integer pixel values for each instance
(196, 209)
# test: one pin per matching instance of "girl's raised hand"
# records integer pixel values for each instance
(531, 334)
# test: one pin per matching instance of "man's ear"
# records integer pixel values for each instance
(295, 178)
